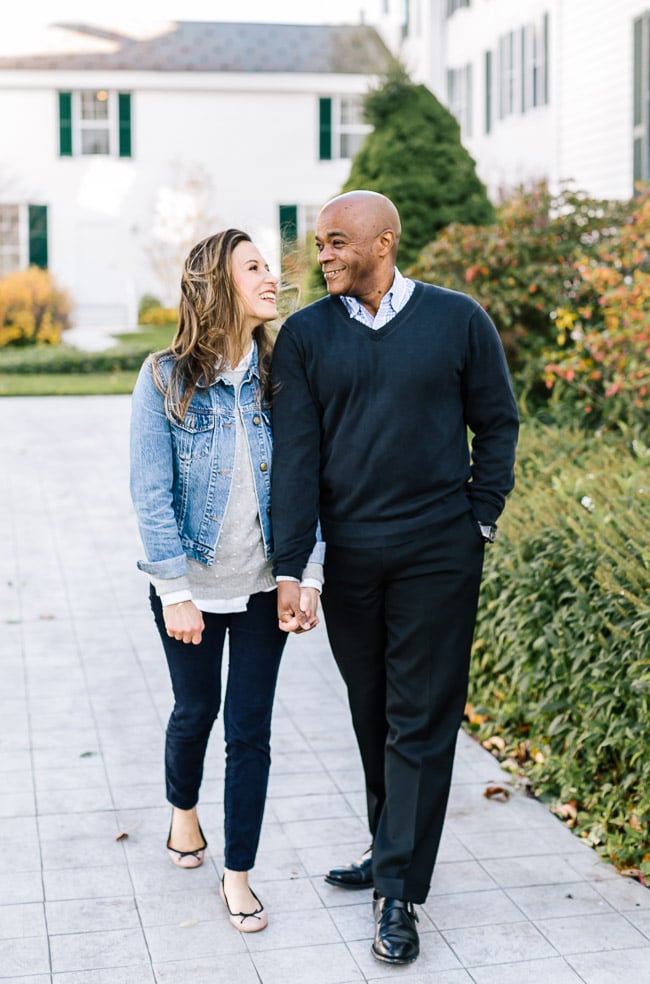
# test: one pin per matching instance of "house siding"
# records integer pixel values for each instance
(584, 133)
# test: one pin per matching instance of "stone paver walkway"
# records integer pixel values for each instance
(84, 697)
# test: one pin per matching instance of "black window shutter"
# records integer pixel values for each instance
(65, 124)
(124, 117)
(325, 129)
(288, 226)
(37, 221)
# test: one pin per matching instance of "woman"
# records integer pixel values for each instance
(201, 445)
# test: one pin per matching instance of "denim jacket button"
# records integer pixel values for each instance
(264, 466)
(256, 419)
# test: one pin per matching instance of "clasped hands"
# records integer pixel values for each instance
(297, 607)
(297, 612)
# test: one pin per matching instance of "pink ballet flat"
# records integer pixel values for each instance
(246, 922)
(187, 859)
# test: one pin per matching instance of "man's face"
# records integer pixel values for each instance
(347, 251)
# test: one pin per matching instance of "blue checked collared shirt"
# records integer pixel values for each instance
(391, 303)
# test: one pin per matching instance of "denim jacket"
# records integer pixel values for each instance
(181, 473)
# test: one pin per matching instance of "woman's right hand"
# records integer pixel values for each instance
(184, 622)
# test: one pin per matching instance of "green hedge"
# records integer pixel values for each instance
(561, 668)
(128, 354)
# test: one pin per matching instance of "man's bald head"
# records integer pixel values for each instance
(369, 209)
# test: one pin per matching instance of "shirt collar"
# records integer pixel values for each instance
(396, 296)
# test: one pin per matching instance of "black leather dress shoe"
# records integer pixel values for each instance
(355, 875)
(396, 938)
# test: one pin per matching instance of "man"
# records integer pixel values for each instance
(376, 386)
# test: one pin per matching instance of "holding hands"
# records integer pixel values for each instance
(297, 607)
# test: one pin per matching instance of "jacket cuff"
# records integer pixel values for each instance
(170, 568)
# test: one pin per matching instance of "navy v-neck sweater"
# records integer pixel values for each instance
(371, 426)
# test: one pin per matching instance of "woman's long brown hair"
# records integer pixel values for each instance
(210, 331)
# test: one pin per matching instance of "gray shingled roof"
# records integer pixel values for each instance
(194, 46)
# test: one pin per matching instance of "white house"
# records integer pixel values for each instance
(122, 148)
(541, 88)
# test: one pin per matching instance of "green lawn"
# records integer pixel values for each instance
(59, 370)
(66, 384)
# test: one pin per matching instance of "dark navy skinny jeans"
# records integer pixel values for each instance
(255, 647)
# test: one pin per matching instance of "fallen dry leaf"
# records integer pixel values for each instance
(121, 836)
(523, 752)
(190, 922)
(567, 811)
(630, 872)
(496, 741)
(510, 765)
(473, 717)
(497, 792)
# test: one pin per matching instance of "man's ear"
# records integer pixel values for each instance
(386, 242)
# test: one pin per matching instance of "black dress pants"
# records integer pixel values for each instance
(400, 621)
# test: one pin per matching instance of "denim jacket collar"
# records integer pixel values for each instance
(252, 372)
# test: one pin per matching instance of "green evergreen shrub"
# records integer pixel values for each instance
(415, 157)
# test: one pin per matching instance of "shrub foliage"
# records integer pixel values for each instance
(601, 361)
(523, 267)
(152, 312)
(561, 670)
(32, 308)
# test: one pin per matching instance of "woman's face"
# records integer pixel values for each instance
(256, 285)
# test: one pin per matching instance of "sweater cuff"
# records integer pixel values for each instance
(168, 588)
(175, 598)
(311, 582)
(313, 573)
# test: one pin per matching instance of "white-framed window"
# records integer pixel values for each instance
(406, 18)
(459, 97)
(641, 99)
(94, 122)
(534, 62)
(13, 253)
(518, 71)
(341, 127)
(23, 236)
(508, 73)
(454, 5)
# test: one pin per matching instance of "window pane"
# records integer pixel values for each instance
(94, 105)
(351, 111)
(8, 225)
(94, 142)
(9, 263)
(9, 239)
(350, 143)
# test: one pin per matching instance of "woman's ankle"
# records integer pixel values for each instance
(185, 831)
